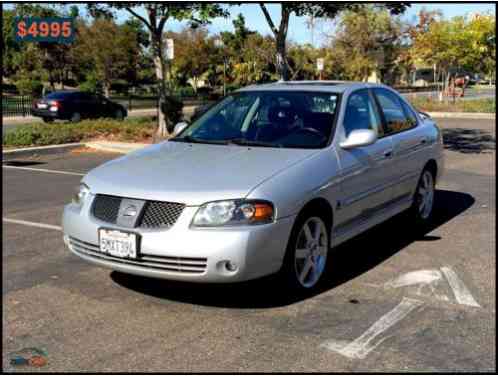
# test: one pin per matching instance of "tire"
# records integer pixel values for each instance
(75, 117)
(423, 199)
(118, 115)
(305, 259)
(48, 120)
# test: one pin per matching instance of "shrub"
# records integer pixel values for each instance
(61, 133)
(487, 105)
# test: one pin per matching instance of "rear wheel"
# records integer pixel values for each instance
(423, 200)
(75, 117)
(306, 256)
(48, 120)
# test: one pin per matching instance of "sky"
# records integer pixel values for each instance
(299, 32)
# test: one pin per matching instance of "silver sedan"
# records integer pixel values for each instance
(266, 181)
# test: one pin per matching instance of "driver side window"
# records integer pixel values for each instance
(361, 113)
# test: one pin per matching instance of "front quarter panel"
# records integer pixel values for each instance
(292, 188)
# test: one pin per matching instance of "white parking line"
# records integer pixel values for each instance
(361, 346)
(32, 224)
(44, 170)
(462, 293)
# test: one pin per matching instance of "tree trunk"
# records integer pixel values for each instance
(164, 126)
(282, 68)
(107, 89)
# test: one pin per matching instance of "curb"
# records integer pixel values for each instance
(115, 147)
(39, 150)
(462, 115)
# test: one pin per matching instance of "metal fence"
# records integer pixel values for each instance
(18, 105)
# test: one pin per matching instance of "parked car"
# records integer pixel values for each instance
(76, 105)
(267, 181)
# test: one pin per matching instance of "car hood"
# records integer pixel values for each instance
(191, 173)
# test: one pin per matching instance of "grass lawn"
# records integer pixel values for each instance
(487, 105)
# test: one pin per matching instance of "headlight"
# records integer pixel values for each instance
(234, 213)
(80, 194)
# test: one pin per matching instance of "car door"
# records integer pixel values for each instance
(103, 106)
(408, 140)
(83, 104)
(366, 172)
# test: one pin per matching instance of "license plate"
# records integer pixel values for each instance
(118, 243)
(42, 105)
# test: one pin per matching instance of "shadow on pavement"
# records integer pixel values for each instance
(468, 140)
(350, 260)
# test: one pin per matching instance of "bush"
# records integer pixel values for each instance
(27, 86)
(487, 105)
(62, 133)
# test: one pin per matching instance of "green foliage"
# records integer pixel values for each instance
(364, 40)
(460, 42)
(29, 86)
(486, 105)
(61, 133)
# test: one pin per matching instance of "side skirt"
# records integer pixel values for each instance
(370, 218)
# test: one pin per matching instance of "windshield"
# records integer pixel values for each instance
(270, 118)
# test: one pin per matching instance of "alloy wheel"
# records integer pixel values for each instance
(311, 252)
(425, 195)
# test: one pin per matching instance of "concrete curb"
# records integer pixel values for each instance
(39, 150)
(462, 115)
(115, 147)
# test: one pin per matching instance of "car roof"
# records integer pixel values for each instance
(324, 86)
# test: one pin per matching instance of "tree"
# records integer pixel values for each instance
(315, 10)
(457, 43)
(368, 39)
(193, 48)
(53, 60)
(112, 50)
(155, 18)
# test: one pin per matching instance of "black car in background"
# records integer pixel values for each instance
(76, 105)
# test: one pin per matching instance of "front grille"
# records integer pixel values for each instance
(156, 214)
(161, 214)
(106, 208)
(193, 265)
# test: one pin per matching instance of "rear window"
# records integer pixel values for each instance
(60, 95)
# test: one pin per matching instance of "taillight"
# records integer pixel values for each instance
(54, 106)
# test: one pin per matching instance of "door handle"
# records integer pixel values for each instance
(423, 141)
(388, 154)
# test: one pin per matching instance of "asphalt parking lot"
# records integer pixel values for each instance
(393, 300)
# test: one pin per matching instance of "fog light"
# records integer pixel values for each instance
(231, 266)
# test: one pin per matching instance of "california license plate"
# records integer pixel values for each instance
(118, 243)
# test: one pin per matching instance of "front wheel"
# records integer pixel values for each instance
(306, 256)
(48, 120)
(118, 115)
(423, 200)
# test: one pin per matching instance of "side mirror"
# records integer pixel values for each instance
(359, 137)
(180, 127)
(424, 115)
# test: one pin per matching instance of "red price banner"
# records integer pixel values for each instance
(49, 29)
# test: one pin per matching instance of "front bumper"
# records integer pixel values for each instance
(183, 253)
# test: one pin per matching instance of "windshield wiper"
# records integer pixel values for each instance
(199, 140)
(244, 142)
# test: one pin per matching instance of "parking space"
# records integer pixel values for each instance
(393, 300)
